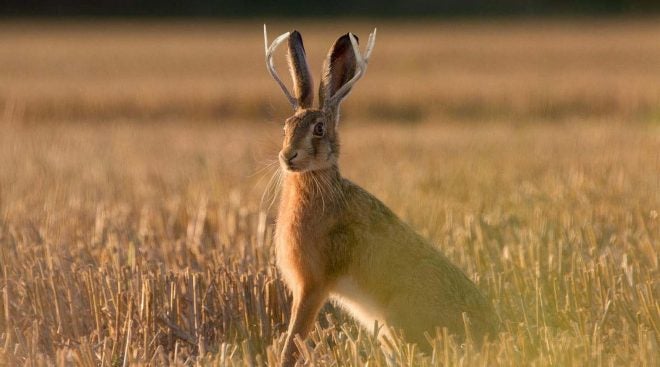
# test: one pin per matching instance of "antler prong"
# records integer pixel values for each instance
(265, 39)
(356, 49)
(271, 68)
(361, 61)
(370, 45)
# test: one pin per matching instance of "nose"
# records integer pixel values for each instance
(292, 157)
(288, 157)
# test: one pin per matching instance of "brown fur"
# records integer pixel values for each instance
(338, 68)
(302, 81)
(335, 240)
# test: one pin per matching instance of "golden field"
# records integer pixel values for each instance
(135, 206)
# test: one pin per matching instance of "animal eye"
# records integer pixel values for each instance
(319, 129)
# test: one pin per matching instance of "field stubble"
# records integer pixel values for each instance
(132, 230)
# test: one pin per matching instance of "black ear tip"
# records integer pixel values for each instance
(347, 38)
(295, 39)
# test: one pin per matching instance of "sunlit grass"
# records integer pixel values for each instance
(134, 233)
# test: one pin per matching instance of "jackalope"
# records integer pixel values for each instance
(335, 240)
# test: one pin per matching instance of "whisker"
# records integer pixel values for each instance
(266, 166)
(261, 172)
(318, 185)
(278, 186)
(267, 190)
(324, 184)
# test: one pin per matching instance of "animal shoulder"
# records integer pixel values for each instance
(366, 205)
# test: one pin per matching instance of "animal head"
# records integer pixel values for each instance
(310, 134)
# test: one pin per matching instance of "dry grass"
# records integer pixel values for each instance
(133, 235)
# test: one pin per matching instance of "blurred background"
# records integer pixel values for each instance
(474, 60)
(369, 8)
(138, 174)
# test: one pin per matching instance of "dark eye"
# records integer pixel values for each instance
(319, 129)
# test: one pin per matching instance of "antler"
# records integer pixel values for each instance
(361, 65)
(271, 67)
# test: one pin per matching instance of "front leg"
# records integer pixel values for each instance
(306, 305)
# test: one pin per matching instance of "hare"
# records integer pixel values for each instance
(335, 240)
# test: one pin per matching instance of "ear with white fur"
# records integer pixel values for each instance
(344, 66)
(339, 67)
(302, 78)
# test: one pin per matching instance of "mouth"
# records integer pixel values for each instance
(291, 167)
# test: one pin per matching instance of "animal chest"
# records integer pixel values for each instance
(298, 254)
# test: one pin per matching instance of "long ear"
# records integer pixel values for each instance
(302, 79)
(338, 69)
